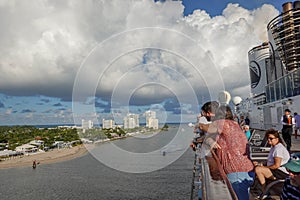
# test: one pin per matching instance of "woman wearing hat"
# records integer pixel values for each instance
(291, 187)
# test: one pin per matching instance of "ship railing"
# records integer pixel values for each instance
(212, 181)
(286, 86)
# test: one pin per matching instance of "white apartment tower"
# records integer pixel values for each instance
(131, 121)
(151, 121)
(87, 124)
(107, 123)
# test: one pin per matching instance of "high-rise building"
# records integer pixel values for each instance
(108, 123)
(87, 124)
(151, 121)
(131, 121)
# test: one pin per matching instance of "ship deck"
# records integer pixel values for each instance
(295, 144)
(276, 189)
(214, 183)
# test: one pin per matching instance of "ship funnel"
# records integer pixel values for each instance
(287, 6)
(296, 4)
(284, 37)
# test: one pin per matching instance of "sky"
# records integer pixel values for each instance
(62, 60)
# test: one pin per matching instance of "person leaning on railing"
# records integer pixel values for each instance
(277, 157)
(230, 145)
(198, 131)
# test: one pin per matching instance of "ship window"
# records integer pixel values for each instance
(272, 92)
(289, 86)
(268, 93)
(296, 78)
(277, 90)
(282, 88)
(267, 118)
(279, 114)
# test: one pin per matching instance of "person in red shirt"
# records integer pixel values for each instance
(231, 146)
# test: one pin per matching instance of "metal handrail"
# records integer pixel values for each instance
(214, 188)
(223, 174)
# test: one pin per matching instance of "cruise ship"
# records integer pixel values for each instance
(275, 72)
(275, 86)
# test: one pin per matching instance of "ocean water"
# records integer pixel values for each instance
(88, 178)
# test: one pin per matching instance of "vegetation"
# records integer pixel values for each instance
(98, 134)
(165, 127)
(93, 134)
(18, 135)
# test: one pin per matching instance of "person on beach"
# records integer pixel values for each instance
(287, 128)
(230, 143)
(277, 157)
(34, 164)
(291, 187)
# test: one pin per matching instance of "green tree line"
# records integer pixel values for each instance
(18, 135)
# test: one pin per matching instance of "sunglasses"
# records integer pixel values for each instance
(269, 138)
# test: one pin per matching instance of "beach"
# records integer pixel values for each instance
(52, 156)
(89, 178)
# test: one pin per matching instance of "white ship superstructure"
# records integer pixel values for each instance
(274, 71)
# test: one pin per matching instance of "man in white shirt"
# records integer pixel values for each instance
(287, 128)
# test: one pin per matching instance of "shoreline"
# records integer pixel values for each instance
(56, 155)
(49, 157)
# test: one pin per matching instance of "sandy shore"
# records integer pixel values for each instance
(52, 156)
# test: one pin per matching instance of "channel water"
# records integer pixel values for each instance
(88, 178)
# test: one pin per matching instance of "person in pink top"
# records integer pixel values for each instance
(231, 146)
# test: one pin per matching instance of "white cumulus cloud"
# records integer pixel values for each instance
(44, 43)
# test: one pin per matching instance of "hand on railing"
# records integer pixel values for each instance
(212, 143)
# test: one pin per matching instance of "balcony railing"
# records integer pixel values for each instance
(286, 86)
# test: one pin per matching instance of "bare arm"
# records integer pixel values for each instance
(277, 163)
(212, 131)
